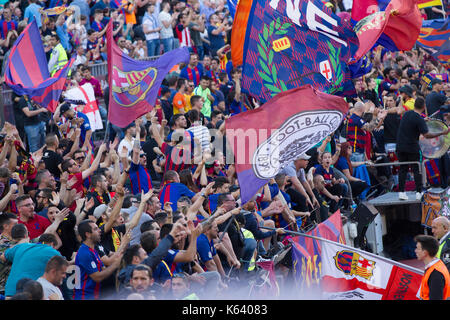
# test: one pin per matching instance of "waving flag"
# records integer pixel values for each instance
(27, 73)
(396, 28)
(264, 143)
(426, 3)
(232, 4)
(435, 39)
(90, 108)
(306, 251)
(364, 8)
(134, 84)
(352, 274)
(287, 46)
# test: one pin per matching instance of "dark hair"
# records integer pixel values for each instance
(429, 244)
(21, 199)
(148, 241)
(279, 179)
(193, 115)
(19, 232)
(34, 289)
(56, 263)
(95, 179)
(215, 113)
(160, 217)
(165, 230)
(127, 201)
(65, 165)
(130, 252)
(180, 83)
(222, 198)
(45, 192)
(48, 238)
(21, 283)
(419, 104)
(5, 218)
(147, 226)
(194, 99)
(186, 178)
(142, 267)
(219, 182)
(83, 228)
(205, 78)
(185, 199)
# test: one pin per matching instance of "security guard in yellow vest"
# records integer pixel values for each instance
(58, 57)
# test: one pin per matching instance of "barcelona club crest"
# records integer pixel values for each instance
(128, 88)
(352, 263)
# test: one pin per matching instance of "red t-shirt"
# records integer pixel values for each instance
(79, 186)
(36, 226)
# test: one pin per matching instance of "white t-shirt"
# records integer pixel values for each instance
(165, 32)
(151, 24)
(125, 144)
(50, 289)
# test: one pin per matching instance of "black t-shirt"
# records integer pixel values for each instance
(66, 233)
(52, 160)
(411, 126)
(391, 124)
(434, 101)
(151, 155)
(27, 121)
(106, 239)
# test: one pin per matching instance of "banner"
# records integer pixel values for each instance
(90, 109)
(352, 274)
(364, 8)
(434, 38)
(26, 71)
(134, 84)
(396, 28)
(426, 3)
(263, 143)
(292, 43)
(306, 252)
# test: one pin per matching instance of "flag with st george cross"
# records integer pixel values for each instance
(292, 43)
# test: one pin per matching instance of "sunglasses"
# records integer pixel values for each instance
(80, 158)
(142, 155)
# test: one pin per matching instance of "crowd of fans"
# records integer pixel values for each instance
(153, 210)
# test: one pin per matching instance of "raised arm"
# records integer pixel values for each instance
(88, 172)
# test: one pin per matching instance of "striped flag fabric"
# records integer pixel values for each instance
(134, 84)
(434, 38)
(26, 71)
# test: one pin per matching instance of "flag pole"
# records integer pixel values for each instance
(404, 266)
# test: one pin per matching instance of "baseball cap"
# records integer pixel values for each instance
(303, 156)
(101, 209)
(412, 71)
(406, 89)
(65, 107)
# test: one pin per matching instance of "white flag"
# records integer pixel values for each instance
(90, 109)
(350, 273)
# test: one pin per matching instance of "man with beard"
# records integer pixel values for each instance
(390, 83)
(141, 284)
(92, 269)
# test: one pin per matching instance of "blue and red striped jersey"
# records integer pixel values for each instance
(6, 26)
(140, 179)
(173, 191)
(88, 261)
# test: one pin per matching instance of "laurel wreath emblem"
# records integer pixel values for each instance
(335, 64)
(269, 73)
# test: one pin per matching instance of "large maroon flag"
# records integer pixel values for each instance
(266, 139)
(134, 84)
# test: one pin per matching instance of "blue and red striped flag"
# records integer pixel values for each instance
(435, 39)
(135, 84)
(27, 72)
